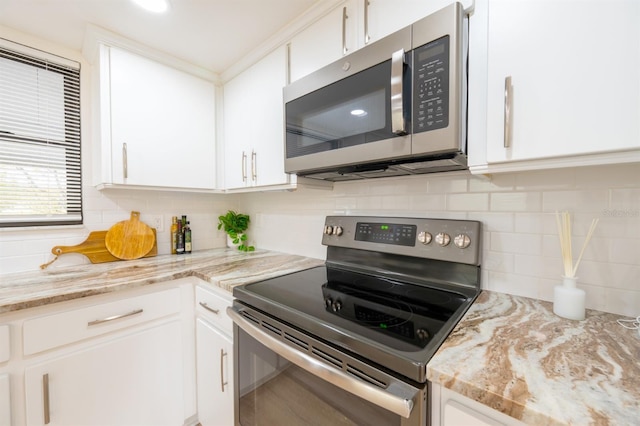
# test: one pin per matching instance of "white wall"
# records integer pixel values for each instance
(521, 252)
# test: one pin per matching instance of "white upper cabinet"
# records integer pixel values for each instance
(254, 125)
(156, 124)
(326, 40)
(383, 17)
(352, 25)
(573, 93)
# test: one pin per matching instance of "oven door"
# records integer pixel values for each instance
(283, 376)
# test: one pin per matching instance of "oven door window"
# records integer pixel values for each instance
(353, 111)
(273, 391)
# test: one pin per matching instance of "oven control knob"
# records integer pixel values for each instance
(337, 230)
(422, 334)
(328, 229)
(462, 241)
(336, 306)
(425, 237)
(443, 239)
(328, 302)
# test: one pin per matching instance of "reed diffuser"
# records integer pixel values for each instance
(568, 300)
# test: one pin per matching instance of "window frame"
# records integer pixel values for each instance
(71, 142)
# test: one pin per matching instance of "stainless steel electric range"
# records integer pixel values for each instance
(349, 342)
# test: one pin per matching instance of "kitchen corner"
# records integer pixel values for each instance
(514, 355)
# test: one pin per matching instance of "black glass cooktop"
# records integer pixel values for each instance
(344, 306)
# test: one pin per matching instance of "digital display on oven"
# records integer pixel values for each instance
(386, 233)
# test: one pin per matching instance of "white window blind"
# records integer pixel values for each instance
(40, 175)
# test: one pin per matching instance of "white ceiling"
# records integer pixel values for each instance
(213, 34)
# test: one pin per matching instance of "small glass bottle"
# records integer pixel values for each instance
(187, 238)
(180, 239)
(174, 234)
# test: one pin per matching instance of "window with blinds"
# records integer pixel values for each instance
(40, 176)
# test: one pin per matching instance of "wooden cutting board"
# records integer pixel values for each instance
(130, 239)
(95, 249)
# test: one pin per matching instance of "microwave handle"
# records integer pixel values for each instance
(397, 84)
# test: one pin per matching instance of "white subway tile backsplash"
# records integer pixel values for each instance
(507, 242)
(595, 200)
(468, 202)
(449, 183)
(516, 202)
(521, 252)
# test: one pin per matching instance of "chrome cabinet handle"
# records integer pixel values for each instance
(204, 305)
(367, 37)
(45, 399)
(397, 107)
(222, 381)
(115, 317)
(398, 397)
(125, 162)
(344, 30)
(508, 105)
(244, 166)
(254, 166)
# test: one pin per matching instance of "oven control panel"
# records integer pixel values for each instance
(441, 239)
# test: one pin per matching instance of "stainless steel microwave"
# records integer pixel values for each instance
(395, 107)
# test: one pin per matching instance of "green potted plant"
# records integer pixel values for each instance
(235, 225)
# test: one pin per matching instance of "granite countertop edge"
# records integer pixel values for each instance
(223, 268)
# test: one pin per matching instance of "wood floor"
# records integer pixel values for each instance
(292, 398)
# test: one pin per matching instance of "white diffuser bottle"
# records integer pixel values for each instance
(568, 300)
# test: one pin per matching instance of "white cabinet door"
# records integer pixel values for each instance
(575, 75)
(162, 124)
(133, 379)
(215, 375)
(383, 17)
(5, 400)
(254, 124)
(326, 40)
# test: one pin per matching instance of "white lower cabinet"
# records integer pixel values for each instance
(449, 408)
(215, 375)
(124, 358)
(214, 357)
(133, 379)
(5, 400)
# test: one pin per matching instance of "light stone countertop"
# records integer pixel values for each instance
(514, 355)
(509, 353)
(224, 268)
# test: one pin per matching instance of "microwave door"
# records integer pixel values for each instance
(349, 122)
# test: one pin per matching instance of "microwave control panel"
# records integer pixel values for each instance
(431, 86)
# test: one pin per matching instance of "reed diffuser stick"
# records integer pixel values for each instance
(563, 221)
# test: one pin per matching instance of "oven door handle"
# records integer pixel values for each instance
(398, 398)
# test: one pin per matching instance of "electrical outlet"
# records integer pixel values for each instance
(156, 222)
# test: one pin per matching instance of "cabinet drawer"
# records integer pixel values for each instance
(212, 304)
(51, 331)
(5, 344)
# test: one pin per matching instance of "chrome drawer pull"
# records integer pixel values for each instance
(125, 161)
(204, 305)
(115, 317)
(45, 398)
(508, 111)
(345, 50)
(244, 166)
(222, 382)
